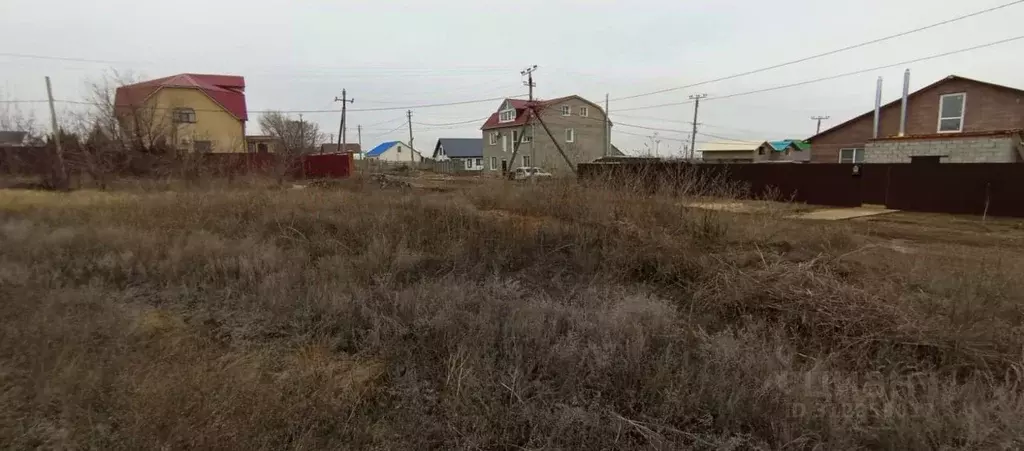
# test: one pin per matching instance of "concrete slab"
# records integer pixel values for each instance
(838, 214)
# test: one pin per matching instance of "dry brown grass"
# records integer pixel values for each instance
(498, 316)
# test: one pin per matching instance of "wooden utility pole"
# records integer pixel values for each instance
(693, 138)
(553, 140)
(60, 177)
(341, 125)
(412, 150)
(359, 133)
(819, 119)
(607, 129)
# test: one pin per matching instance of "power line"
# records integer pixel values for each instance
(470, 121)
(832, 77)
(857, 72)
(407, 107)
(819, 55)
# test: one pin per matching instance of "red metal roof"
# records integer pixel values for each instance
(522, 112)
(226, 90)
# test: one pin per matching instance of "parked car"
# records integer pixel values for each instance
(529, 173)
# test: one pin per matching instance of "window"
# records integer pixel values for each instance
(494, 138)
(526, 161)
(584, 111)
(566, 110)
(261, 148)
(951, 112)
(251, 147)
(851, 155)
(494, 163)
(527, 136)
(203, 146)
(184, 116)
(570, 135)
(480, 162)
(926, 159)
(515, 136)
(399, 149)
(469, 163)
(440, 150)
(507, 115)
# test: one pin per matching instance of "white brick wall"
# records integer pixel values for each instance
(982, 149)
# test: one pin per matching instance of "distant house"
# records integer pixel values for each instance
(13, 138)
(731, 152)
(261, 144)
(352, 148)
(578, 125)
(784, 151)
(192, 112)
(466, 154)
(394, 151)
(955, 120)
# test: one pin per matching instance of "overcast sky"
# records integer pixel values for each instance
(298, 55)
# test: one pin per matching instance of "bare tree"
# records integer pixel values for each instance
(293, 139)
(13, 118)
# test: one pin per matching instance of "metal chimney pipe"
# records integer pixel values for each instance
(903, 105)
(878, 107)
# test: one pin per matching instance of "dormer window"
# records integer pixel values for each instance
(507, 113)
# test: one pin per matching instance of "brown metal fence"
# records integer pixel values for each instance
(995, 189)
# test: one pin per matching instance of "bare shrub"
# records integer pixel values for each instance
(506, 316)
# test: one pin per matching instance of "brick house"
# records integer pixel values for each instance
(577, 124)
(955, 120)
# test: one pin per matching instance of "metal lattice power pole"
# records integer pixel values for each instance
(341, 125)
(819, 119)
(693, 138)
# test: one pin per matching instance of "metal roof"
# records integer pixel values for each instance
(381, 148)
(729, 146)
(461, 147)
(226, 90)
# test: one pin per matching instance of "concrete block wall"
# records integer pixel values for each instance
(981, 149)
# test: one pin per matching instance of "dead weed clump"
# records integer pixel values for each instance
(500, 316)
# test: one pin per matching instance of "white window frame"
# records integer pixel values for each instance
(856, 151)
(566, 110)
(507, 113)
(494, 138)
(469, 163)
(526, 161)
(515, 136)
(494, 163)
(963, 113)
(478, 162)
(570, 135)
(584, 111)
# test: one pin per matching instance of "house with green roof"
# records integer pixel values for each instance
(784, 151)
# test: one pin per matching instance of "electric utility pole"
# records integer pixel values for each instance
(696, 105)
(412, 149)
(607, 128)
(528, 72)
(819, 119)
(60, 178)
(341, 125)
(359, 132)
(302, 134)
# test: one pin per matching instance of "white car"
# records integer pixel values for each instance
(529, 173)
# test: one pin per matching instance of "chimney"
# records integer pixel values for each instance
(878, 106)
(903, 105)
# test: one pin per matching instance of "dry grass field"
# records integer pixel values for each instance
(498, 316)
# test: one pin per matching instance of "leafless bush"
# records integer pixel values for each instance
(509, 316)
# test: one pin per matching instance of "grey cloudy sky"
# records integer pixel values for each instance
(298, 55)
